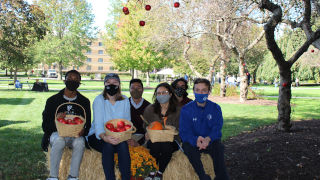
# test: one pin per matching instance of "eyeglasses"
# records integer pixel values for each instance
(163, 93)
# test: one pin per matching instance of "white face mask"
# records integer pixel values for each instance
(163, 98)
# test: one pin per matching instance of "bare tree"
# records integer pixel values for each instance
(284, 107)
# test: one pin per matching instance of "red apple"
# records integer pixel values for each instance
(142, 23)
(312, 50)
(113, 130)
(148, 7)
(60, 120)
(176, 4)
(126, 13)
(284, 84)
(109, 126)
(127, 126)
(125, 9)
(120, 124)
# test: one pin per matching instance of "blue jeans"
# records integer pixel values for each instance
(108, 151)
(216, 151)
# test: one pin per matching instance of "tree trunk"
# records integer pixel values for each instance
(60, 71)
(223, 89)
(148, 79)
(132, 73)
(243, 80)
(6, 71)
(186, 58)
(211, 74)
(135, 73)
(254, 75)
(11, 73)
(284, 108)
(15, 74)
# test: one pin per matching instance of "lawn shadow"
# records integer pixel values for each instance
(16, 101)
(8, 122)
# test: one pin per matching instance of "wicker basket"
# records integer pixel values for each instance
(122, 136)
(70, 130)
(166, 135)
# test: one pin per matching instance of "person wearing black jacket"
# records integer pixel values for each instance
(77, 144)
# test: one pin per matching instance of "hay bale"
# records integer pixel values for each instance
(180, 168)
(90, 168)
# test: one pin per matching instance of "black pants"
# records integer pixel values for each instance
(162, 152)
(216, 151)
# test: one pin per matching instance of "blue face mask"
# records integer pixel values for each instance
(201, 98)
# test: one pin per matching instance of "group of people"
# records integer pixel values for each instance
(198, 121)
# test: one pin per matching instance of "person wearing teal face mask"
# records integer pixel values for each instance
(166, 111)
(200, 131)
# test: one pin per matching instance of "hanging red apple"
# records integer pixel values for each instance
(284, 84)
(243, 64)
(125, 9)
(312, 50)
(148, 7)
(142, 23)
(126, 13)
(176, 4)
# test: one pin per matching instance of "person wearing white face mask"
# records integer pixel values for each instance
(200, 131)
(111, 104)
(165, 110)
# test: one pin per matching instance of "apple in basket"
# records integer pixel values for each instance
(127, 126)
(77, 120)
(120, 124)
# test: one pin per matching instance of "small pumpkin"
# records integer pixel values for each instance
(155, 125)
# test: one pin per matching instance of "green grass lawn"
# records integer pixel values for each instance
(21, 118)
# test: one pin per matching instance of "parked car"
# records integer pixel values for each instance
(52, 73)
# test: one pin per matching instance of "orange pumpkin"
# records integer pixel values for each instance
(156, 125)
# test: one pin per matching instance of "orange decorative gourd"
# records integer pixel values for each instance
(156, 125)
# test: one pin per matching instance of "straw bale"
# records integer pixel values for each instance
(90, 168)
(180, 168)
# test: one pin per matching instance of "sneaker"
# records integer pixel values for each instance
(72, 178)
(52, 178)
(158, 176)
(150, 176)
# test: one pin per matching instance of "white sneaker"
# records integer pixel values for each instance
(72, 178)
(52, 178)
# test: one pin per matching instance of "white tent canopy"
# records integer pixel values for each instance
(167, 71)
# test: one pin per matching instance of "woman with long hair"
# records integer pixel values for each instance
(111, 104)
(165, 110)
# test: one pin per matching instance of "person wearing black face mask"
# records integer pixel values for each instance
(137, 107)
(180, 87)
(77, 144)
(110, 104)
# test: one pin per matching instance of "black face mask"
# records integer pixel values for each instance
(111, 89)
(180, 92)
(136, 94)
(72, 85)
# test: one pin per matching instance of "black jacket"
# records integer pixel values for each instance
(48, 114)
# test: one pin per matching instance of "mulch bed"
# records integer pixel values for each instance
(266, 153)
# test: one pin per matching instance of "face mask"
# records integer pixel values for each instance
(72, 85)
(201, 98)
(111, 89)
(163, 98)
(180, 92)
(136, 94)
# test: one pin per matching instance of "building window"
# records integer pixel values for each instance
(88, 68)
(89, 43)
(100, 52)
(100, 68)
(100, 43)
(111, 68)
(89, 60)
(100, 60)
(89, 52)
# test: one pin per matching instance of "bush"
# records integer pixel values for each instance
(231, 90)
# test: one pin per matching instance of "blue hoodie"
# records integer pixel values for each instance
(198, 121)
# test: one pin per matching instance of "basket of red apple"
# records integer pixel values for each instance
(119, 128)
(69, 125)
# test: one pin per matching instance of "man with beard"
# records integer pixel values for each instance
(180, 87)
(137, 107)
(58, 143)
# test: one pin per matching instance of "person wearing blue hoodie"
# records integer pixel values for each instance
(200, 131)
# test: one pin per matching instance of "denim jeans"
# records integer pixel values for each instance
(57, 146)
(108, 151)
(216, 151)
